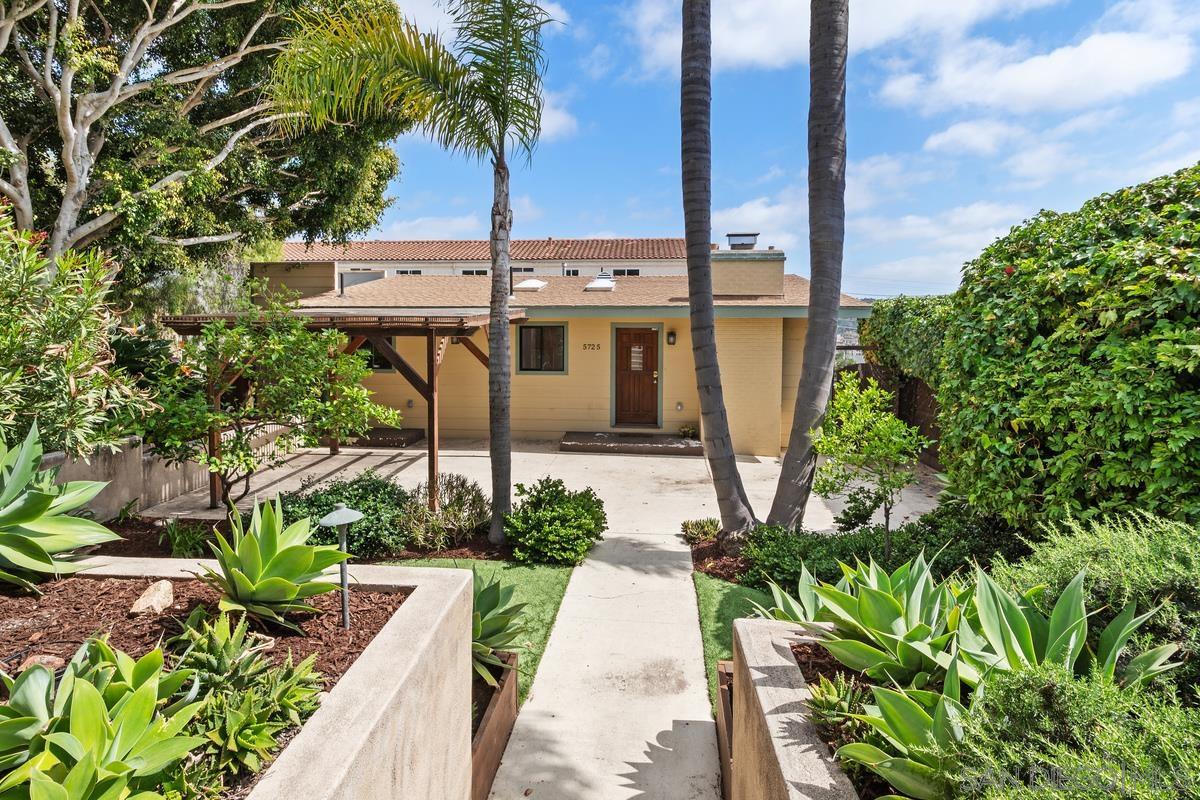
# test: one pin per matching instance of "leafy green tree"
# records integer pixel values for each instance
(56, 359)
(144, 125)
(1070, 384)
(263, 370)
(864, 442)
(907, 334)
(480, 96)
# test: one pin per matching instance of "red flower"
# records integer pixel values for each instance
(1009, 270)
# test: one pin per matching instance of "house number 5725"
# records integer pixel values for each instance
(588, 346)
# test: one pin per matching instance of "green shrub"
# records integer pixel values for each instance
(1072, 362)
(1130, 559)
(1040, 732)
(553, 525)
(464, 511)
(696, 531)
(959, 537)
(186, 539)
(907, 334)
(379, 534)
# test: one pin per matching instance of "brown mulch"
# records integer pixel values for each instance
(73, 609)
(815, 661)
(478, 548)
(707, 558)
(139, 537)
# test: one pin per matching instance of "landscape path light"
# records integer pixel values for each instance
(341, 518)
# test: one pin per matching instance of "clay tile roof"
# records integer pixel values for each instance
(477, 250)
(450, 291)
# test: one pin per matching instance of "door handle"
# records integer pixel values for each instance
(656, 376)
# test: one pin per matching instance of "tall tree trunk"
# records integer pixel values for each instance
(499, 369)
(696, 144)
(826, 233)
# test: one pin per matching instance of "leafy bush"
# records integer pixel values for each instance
(35, 523)
(696, 531)
(553, 525)
(1041, 732)
(186, 539)
(1135, 558)
(56, 362)
(864, 442)
(859, 507)
(269, 570)
(384, 505)
(1070, 385)
(954, 533)
(495, 623)
(907, 334)
(464, 511)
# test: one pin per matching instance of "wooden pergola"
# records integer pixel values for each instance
(439, 331)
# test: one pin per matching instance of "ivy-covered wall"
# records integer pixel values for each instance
(1070, 375)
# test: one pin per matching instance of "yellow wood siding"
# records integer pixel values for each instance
(547, 405)
(751, 356)
(308, 280)
(793, 357)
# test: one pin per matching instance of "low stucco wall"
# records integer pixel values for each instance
(136, 477)
(777, 754)
(398, 723)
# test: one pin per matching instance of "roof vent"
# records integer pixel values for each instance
(601, 283)
(742, 241)
(530, 285)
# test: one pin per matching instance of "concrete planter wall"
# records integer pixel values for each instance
(135, 475)
(398, 723)
(777, 754)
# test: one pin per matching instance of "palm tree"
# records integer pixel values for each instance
(481, 96)
(828, 47)
(695, 109)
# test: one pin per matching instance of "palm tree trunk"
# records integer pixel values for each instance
(826, 233)
(499, 370)
(696, 145)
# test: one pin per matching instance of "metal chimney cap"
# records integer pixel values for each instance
(742, 241)
(340, 516)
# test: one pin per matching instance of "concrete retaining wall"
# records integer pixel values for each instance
(135, 475)
(398, 723)
(777, 754)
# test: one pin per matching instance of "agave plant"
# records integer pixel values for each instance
(922, 731)
(899, 628)
(269, 570)
(35, 521)
(223, 655)
(1006, 631)
(98, 733)
(495, 624)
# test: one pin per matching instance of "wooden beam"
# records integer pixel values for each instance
(474, 350)
(384, 348)
(433, 356)
(355, 343)
(440, 356)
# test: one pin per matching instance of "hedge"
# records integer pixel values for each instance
(907, 333)
(1070, 382)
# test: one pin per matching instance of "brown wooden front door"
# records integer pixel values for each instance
(637, 376)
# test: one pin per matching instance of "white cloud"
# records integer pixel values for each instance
(427, 14)
(525, 210)
(1037, 164)
(871, 180)
(556, 12)
(467, 226)
(982, 137)
(1102, 67)
(774, 33)
(1186, 112)
(781, 219)
(557, 121)
(598, 62)
(774, 173)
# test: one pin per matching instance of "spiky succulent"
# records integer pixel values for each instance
(495, 624)
(35, 521)
(269, 571)
(223, 655)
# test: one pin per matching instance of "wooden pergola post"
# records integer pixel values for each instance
(433, 363)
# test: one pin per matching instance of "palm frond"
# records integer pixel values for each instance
(500, 43)
(340, 68)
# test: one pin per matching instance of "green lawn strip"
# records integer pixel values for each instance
(721, 602)
(540, 587)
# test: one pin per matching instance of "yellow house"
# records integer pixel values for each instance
(594, 352)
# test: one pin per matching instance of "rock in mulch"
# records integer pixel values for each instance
(52, 663)
(158, 597)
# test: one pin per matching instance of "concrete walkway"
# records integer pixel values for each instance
(619, 708)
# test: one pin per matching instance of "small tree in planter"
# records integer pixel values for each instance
(863, 442)
(235, 381)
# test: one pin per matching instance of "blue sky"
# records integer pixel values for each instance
(964, 117)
